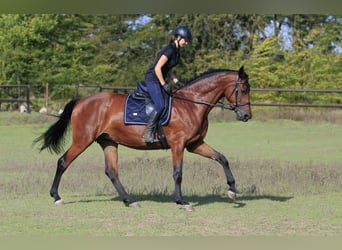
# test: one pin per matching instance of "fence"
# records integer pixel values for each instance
(280, 90)
(22, 95)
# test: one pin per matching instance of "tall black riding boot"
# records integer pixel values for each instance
(150, 127)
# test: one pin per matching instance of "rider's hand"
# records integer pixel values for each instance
(179, 84)
(167, 88)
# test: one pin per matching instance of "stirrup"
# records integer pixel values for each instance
(149, 140)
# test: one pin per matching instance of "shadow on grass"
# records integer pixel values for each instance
(240, 202)
(195, 200)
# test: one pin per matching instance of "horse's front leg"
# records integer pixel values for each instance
(177, 159)
(205, 150)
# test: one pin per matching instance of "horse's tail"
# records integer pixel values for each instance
(53, 138)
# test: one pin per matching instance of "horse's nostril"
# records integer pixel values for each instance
(245, 117)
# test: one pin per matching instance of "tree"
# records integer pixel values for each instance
(68, 49)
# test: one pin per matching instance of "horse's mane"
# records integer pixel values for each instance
(209, 73)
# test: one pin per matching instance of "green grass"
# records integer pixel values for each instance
(278, 139)
(313, 215)
(288, 174)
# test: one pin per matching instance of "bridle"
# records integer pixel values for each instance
(220, 104)
(236, 91)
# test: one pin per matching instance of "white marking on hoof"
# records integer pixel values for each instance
(231, 195)
(59, 202)
(188, 207)
(134, 204)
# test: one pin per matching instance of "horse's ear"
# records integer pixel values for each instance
(241, 71)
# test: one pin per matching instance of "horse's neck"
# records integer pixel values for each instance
(205, 90)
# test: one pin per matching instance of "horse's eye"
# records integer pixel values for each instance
(243, 91)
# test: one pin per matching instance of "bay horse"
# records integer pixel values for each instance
(100, 118)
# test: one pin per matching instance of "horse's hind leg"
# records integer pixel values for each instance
(205, 150)
(62, 165)
(110, 150)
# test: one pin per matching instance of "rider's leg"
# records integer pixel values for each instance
(155, 91)
(151, 127)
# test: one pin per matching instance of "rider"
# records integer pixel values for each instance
(155, 76)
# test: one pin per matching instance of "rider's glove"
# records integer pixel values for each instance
(167, 88)
(179, 84)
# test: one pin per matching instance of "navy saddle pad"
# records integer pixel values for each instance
(135, 112)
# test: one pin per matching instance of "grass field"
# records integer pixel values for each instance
(288, 174)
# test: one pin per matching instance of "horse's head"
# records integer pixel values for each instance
(238, 96)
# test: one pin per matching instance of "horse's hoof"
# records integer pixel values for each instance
(231, 195)
(187, 207)
(134, 204)
(59, 202)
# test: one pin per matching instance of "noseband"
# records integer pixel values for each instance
(220, 104)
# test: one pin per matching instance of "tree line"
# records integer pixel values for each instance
(286, 51)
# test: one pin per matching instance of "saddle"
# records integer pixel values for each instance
(138, 107)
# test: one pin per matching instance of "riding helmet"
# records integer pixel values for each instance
(184, 32)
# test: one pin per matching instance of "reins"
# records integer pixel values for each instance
(219, 104)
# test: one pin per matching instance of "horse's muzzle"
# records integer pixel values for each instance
(243, 115)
